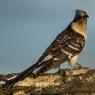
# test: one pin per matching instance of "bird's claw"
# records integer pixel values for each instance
(77, 66)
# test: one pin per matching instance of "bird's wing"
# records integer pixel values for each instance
(68, 41)
(55, 47)
(66, 45)
(53, 55)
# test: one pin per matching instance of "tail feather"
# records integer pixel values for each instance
(11, 82)
(35, 70)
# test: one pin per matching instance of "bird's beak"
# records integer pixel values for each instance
(87, 16)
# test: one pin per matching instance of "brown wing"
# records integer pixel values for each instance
(68, 40)
(56, 45)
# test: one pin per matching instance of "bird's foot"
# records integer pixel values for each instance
(61, 72)
(77, 66)
(78, 69)
(59, 69)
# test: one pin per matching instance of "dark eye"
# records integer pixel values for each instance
(79, 17)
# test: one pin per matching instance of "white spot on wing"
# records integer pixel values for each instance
(54, 49)
(48, 57)
(58, 40)
(2, 82)
(55, 59)
(12, 77)
(73, 47)
(64, 36)
(66, 52)
(76, 44)
(37, 69)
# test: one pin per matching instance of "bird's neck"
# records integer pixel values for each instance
(80, 27)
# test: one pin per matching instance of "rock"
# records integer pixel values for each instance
(75, 81)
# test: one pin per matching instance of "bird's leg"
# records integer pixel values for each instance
(59, 69)
(77, 66)
(73, 62)
(62, 74)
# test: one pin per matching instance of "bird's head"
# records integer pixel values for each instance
(80, 15)
(79, 24)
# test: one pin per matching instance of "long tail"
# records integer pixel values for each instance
(34, 70)
(11, 82)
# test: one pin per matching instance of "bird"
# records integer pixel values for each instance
(66, 47)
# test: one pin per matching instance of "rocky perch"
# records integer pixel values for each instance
(76, 82)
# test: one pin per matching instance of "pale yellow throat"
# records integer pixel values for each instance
(80, 27)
